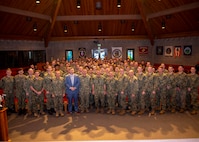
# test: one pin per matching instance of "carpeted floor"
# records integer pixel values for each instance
(91, 126)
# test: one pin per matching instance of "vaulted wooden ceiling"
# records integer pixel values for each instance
(17, 18)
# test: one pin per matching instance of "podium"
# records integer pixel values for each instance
(3, 125)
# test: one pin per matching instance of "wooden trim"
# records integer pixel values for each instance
(20, 37)
(53, 23)
(98, 17)
(144, 19)
(98, 37)
(174, 35)
(24, 13)
(174, 10)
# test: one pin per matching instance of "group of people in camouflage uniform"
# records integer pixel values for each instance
(109, 85)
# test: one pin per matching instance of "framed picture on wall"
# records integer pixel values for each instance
(69, 55)
(130, 54)
(187, 50)
(82, 52)
(168, 51)
(159, 50)
(143, 50)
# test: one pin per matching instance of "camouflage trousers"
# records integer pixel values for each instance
(151, 100)
(171, 98)
(9, 101)
(58, 103)
(133, 102)
(194, 99)
(37, 103)
(49, 103)
(181, 97)
(111, 100)
(122, 100)
(141, 98)
(161, 98)
(21, 96)
(99, 100)
(84, 99)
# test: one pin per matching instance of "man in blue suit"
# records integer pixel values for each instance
(72, 83)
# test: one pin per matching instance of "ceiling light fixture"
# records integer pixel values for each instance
(118, 3)
(78, 4)
(98, 5)
(163, 25)
(37, 1)
(65, 29)
(133, 27)
(35, 27)
(99, 27)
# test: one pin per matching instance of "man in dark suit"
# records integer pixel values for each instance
(72, 83)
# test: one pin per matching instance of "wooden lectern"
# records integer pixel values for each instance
(3, 125)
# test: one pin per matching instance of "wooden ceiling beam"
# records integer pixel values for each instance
(180, 34)
(144, 19)
(98, 37)
(98, 17)
(20, 37)
(174, 10)
(24, 13)
(49, 31)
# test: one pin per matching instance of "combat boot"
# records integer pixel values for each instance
(87, 110)
(97, 110)
(173, 110)
(61, 113)
(42, 112)
(193, 112)
(122, 112)
(153, 112)
(133, 112)
(35, 114)
(141, 112)
(113, 111)
(109, 111)
(57, 114)
(162, 111)
(82, 111)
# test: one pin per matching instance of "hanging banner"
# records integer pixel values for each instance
(116, 52)
(177, 51)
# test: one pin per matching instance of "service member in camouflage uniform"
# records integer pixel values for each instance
(193, 83)
(20, 93)
(7, 84)
(132, 91)
(111, 92)
(161, 94)
(85, 90)
(58, 93)
(141, 92)
(171, 89)
(181, 88)
(122, 92)
(48, 77)
(98, 90)
(150, 90)
(38, 96)
(29, 93)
